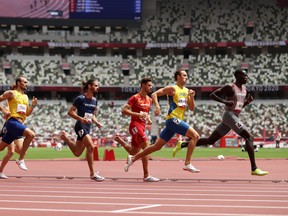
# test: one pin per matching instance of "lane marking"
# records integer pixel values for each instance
(151, 193)
(145, 205)
(146, 198)
(137, 208)
(139, 212)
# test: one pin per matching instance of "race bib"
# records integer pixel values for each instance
(182, 102)
(21, 108)
(88, 116)
(239, 105)
(134, 130)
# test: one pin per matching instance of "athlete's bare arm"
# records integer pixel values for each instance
(249, 98)
(226, 91)
(168, 90)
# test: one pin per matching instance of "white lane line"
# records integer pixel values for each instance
(137, 208)
(150, 193)
(139, 212)
(146, 198)
(144, 205)
(179, 189)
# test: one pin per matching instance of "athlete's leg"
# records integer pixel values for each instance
(145, 159)
(150, 149)
(3, 145)
(218, 133)
(8, 156)
(124, 144)
(76, 148)
(88, 143)
(18, 143)
(249, 147)
(194, 137)
(29, 136)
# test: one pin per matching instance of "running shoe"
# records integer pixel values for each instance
(151, 179)
(259, 172)
(3, 176)
(177, 148)
(129, 162)
(21, 164)
(97, 177)
(191, 168)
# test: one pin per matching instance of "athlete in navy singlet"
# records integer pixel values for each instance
(85, 105)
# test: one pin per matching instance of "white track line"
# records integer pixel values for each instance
(137, 208)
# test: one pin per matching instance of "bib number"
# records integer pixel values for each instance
(21, 108)
(88, 116)
(239, 105)
(182, 102)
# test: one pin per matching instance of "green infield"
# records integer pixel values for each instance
(164, 153)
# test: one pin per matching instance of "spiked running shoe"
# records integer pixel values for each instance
(191, 168)
(259, 172)
(21, 164)
(129, 162)
(97, 177)
(3, 176)
(177, 148)
(151, 179)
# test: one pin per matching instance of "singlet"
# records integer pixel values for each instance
(139, 104)
(18, 105)
(85, 107)
(177, 103)
(238, 98)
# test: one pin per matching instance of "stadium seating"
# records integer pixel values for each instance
(211, 21)
(204, 69)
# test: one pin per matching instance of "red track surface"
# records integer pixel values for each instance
(222, 188)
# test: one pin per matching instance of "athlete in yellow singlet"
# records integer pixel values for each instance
(19, 109)
(177, 103)
(180, 98)
(15, 146)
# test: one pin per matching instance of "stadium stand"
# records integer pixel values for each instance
(216, 21)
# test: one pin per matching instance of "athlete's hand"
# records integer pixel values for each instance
(157, 111)
(249, 98)
(85, 121)
(143, 115)
(6, 114)
(34, 101)
(191, 93)
(149, 121)
(99, 125)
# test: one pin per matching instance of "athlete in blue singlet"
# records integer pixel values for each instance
(235, 99)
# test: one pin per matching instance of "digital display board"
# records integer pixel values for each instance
(105, 9)
(72, 9)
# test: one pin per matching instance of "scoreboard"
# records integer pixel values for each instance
(105, 9)
(71, 12)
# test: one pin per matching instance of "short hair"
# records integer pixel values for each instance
(18, 79)
(240, 72)
(145, 80)
(177, 72)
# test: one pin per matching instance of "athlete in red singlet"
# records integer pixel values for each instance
(138, 107)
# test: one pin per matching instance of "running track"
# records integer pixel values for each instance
(223, 188)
